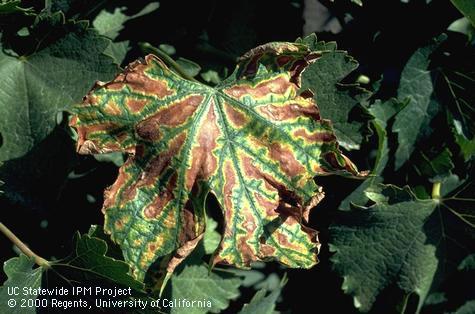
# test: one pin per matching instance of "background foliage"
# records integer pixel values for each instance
(402, 106)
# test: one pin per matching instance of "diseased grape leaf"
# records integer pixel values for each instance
(196, 282)
(397, 241)
(21, 274)
(334, 99)
(252, 141)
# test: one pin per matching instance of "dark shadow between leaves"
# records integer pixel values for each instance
(36, 179)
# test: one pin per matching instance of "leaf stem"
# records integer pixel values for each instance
(23, 247)
(168, 60)
(436, 190)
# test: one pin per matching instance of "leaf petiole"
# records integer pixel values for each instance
(23, 247)
(436, 190)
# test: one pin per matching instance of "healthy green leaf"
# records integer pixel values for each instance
(463, 26)
(271, 282)
(468, 263)
(36, 87)
(117, 51)
(459, 81)
(87, 265)
(13, 6)
(262, 302)
(211, 76)
(416, 88)
(467, 308)
(90, 259)
(467, 146)
(449, 184)
(250, 278)
(110, 24)
(437, 167)
(467, 7)
(333, 98)
(393, 242)
(252, 141)
(196, 282)
(382, 113)
(21, 274)
(168, 49)
(191, 68)
(211, 238)
(435, 298)
(454, 85)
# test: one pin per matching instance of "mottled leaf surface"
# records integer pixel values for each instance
(252, 141)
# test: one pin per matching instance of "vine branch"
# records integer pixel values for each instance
(23, 247)
(168, 60)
